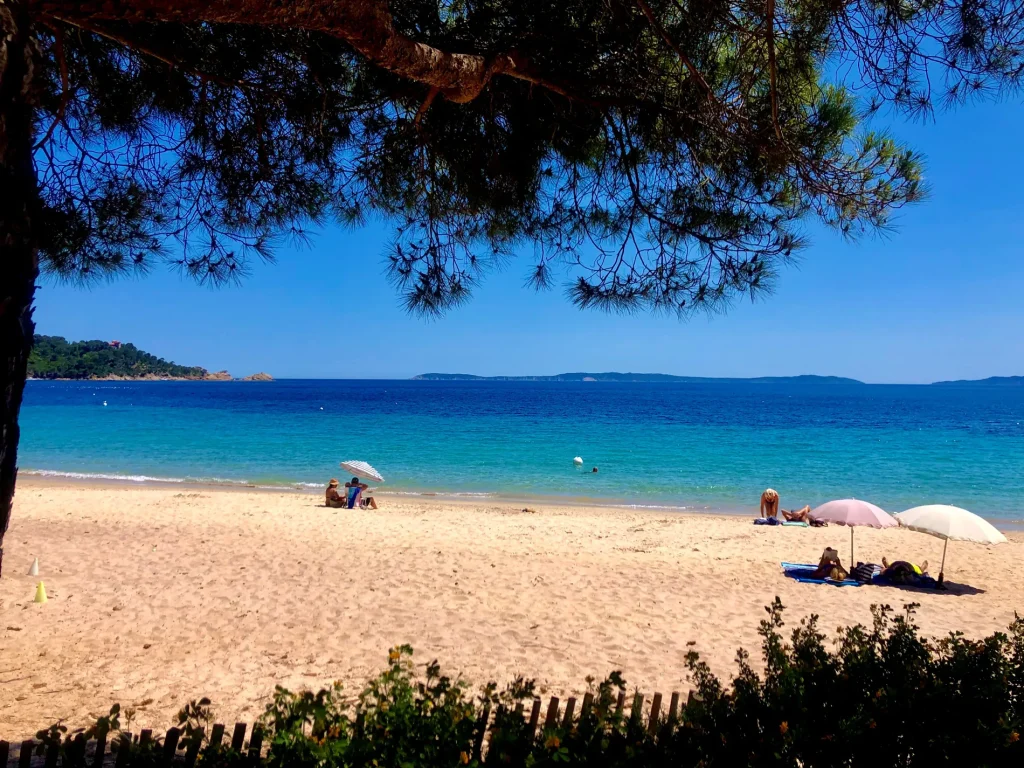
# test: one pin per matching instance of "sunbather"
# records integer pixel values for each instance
(798, 515)
(334, 499)
(904, 572)
(770, 508)
(829, 567)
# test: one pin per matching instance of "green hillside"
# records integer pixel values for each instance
(54, 357)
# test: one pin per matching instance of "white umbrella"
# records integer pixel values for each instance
(853, 512)
(947, 523)
(362, 470)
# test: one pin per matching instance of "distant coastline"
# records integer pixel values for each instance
(642, 378)
(995, 382)
(54, 358)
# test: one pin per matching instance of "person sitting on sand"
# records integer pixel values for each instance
(355, 495)
(334, 499)
(829, 567)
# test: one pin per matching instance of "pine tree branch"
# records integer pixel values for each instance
(65, 90)
(690, 66)
(168, 59)
(772, 68)
(366, 25)
(426, 105)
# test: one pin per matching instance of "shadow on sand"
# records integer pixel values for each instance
(952, 588)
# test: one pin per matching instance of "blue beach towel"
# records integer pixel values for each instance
(767, 521)
(801, 572)
(799, 523)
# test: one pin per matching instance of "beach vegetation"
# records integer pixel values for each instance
(54, 357)
(880, 695)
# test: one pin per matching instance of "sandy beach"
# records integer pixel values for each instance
(159, 595)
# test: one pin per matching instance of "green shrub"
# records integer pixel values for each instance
(880, 696)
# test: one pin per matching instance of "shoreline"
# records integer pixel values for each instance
(159, 595)
(55, 478)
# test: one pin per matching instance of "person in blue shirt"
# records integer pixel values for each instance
(355, 495)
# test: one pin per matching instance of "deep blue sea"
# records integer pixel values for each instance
(694, 446)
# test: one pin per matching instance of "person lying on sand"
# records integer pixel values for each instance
(829, 567)
(798, 515)
(903, 572)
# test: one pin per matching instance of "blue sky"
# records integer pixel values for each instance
(943, 297)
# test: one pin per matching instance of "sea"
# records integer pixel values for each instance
(686, 446)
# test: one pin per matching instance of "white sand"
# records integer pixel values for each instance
(161, 595)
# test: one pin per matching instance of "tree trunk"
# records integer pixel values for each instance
(19, 204)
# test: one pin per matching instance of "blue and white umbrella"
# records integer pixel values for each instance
(362, 470)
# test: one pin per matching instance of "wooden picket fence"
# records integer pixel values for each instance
(96, 754)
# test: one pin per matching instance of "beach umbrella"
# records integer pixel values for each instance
(362, 470)
(853, 512)
(947, 523)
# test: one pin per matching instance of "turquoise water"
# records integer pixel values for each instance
(696, 446)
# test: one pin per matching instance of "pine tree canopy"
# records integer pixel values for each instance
(651, 154)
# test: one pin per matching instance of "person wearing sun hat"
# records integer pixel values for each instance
(334, 499)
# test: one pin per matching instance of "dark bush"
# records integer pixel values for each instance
(880, 696)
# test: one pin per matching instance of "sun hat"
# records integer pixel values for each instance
(333, 482)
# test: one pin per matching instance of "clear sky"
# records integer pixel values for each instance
(941, 298)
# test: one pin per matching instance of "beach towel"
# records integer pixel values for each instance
(767, 521)
(802, 571)
(798, 523)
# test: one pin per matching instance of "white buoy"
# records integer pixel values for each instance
(578, 460)
(34, 570)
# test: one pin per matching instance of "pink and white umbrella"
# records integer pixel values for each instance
(853, 512)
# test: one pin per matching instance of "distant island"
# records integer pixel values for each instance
(993, 382)
(54, 357)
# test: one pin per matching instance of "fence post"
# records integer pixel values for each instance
(673, 708)
(5, 751)
(52, 752)
(652, 726)
(481, 730)
(531, 729)
(238, 737)
(171, 742)
(25, 756)
(552, 716)
(588, 704)
(570, 705)
(124, 745)
(217, 734)
(638, 704)
(194, 745)
(101, 748)
(255, 745)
